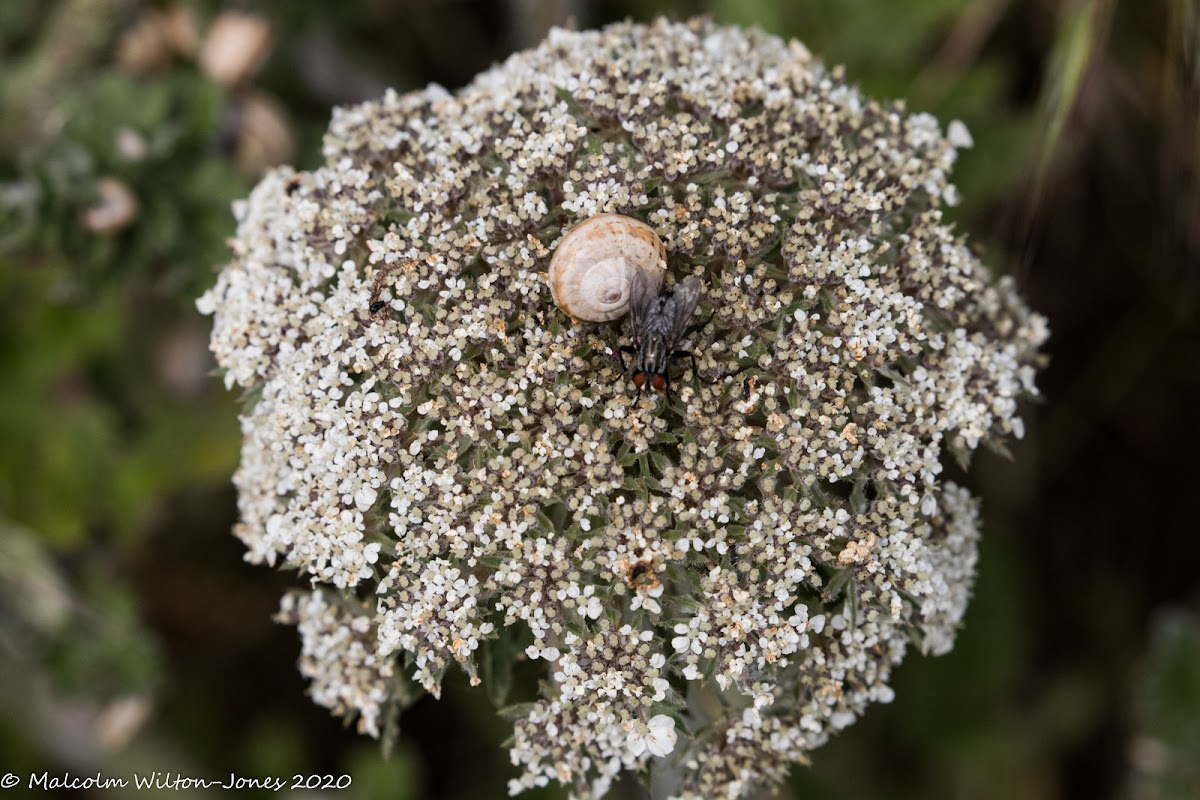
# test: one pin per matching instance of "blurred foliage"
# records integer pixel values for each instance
(1167, 756)
(84, 311)
(132, 637)
(91, 647)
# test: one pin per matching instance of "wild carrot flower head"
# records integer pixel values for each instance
(715, 584)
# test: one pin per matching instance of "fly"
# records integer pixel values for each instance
(377, 304)
(659, 322)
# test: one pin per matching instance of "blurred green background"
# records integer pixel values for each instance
(134, 638)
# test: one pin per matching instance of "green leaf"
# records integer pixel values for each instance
(496, 663)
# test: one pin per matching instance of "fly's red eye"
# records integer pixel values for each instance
(639, 379)
(657, 382)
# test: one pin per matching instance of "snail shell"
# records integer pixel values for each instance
(594, 265)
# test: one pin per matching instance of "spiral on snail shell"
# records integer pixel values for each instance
(594, 265)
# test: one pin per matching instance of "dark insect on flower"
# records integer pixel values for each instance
(659, 322)
(376, 303)
(640, 575)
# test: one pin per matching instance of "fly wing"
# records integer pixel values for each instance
(642, 295)
(683, 301)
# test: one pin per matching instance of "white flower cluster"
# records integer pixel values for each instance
(716, 583)
(341, 657)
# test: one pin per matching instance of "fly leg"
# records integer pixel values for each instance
(623, 351)
(620, 353)
(689, 354)
(698, 325)
(695, 370)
